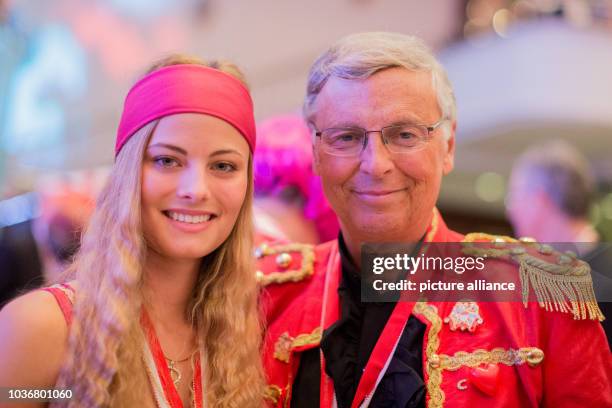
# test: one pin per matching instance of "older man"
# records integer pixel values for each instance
(383, 115)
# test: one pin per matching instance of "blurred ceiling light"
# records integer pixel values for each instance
(501, 21)
(490, 187)
(496, 15)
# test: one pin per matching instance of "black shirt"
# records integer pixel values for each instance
(348, 344)
(600, 260)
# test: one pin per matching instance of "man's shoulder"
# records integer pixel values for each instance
(556, 281)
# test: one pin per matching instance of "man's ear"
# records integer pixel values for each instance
(449, 152)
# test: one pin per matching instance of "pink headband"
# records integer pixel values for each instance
(187, 88)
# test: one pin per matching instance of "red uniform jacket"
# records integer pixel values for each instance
(517, 356)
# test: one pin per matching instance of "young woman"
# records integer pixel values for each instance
(162, 309)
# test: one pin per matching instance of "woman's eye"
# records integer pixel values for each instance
(224, 167)
(165, 162)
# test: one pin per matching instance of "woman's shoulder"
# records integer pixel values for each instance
(36, 310)
(33, 334)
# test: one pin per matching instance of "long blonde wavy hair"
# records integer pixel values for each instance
(104, 365)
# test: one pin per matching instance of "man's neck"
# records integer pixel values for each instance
(354, 244)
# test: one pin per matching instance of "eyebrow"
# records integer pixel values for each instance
(353, 125)
(184, 152)
(225, 151)
(171, 147)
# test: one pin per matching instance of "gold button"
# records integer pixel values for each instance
(499, 242)
(284, 260)
(564, 260)
(545, 249)
(434, 361)
(262, 250)
(535, 357)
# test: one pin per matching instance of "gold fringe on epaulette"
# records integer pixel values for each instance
(566, 287)
(559, 287)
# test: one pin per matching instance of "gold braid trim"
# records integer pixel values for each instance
(296, 275)
(273, 393)
(307, 339)
(566, 286)
(437, 363)
(530, 355)
(435, 221)
(481, 236)
(285, 343)
(282, 347)
(433, 369)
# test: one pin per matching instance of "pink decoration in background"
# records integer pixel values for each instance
(284, 159)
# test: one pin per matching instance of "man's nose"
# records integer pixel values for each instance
(375, 158)
(194, 184)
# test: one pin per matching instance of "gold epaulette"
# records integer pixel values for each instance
(561, 281)
(292, 263)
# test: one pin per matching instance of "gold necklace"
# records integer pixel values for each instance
(175, 373)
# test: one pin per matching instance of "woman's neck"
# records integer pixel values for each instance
(168, 287)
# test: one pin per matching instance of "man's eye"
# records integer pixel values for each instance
(165, 162)
(224, 167)
(347, 137)
(407, 135)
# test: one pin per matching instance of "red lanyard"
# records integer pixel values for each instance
(170, 392)
(383, 350)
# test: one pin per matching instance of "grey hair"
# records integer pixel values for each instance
(358, 56)
(562, 172)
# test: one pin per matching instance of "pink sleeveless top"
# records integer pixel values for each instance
(64, 296)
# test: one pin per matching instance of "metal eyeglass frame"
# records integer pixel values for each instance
(429, 129)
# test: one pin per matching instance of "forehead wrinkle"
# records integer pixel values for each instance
(378, 101)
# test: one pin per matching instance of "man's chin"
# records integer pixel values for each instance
(378, 229)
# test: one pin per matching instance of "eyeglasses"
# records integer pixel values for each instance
(347, 142)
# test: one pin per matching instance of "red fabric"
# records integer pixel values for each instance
(187, 88)
(576, 370)
(60, 292)
(383, 348)
(170, 392)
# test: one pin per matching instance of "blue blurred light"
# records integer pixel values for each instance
(18, 209)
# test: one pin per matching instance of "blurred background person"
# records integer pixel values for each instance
(551, 192)
(289, 201)
(36, 251)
